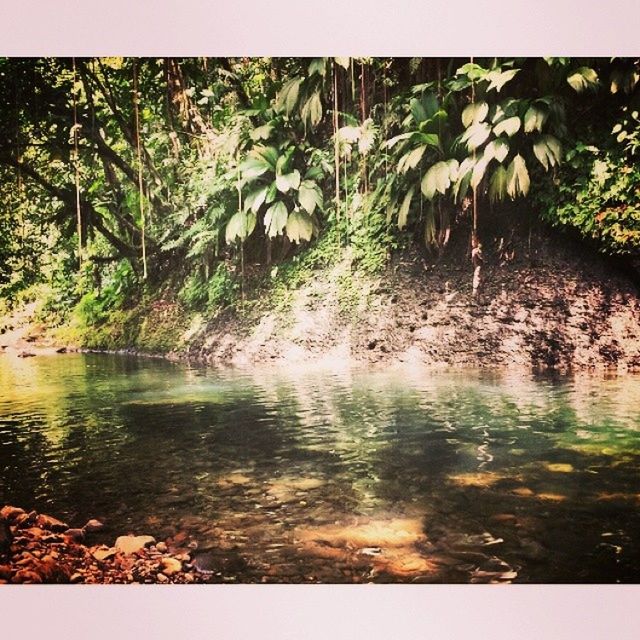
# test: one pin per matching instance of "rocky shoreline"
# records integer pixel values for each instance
(36, 548)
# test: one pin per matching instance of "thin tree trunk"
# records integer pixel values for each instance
(136, 98)
(76, 167)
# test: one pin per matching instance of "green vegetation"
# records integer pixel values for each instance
(141, 192)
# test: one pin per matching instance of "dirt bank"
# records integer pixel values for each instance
(543, 302)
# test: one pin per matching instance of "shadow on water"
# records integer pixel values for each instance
(340, 476)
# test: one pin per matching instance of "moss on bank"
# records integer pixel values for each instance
(155, 327)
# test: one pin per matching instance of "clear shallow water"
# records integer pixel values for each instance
(342, 476)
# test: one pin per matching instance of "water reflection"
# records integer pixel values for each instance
(338, 475)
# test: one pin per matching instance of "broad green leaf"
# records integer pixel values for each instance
(283, 163)
(315, 109)
(343, 62)
(461, 185)
(255, 199)
(430, 103)
(261, 133)
(391, 142)
(252, 168)
(498, 149)
(582, 79)
(476, 135)
(548, 151)
(318, 65)
(313, 173)
(403, 213)
(474, 112)
(534, 118)
(272, 190)
(351, 134)
(391, 208)
(288, 96)
(275, 219)
(498, 184)
(310, 196)
(497, 78)
(418, 111)
(430, 139)
(517, 178)
(240, 226)
(472, 70)
(269, 155)
(411, 159)
(311, 112)
(367, 136)
(454, 166)
(478, 172)
(287, 181)
(510, 126)
(436, 180)
(299, 226)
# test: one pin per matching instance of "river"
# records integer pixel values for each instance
(295, 475)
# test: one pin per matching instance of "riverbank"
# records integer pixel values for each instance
(37, 548)
(543, 303)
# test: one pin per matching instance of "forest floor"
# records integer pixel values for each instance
(543, 302)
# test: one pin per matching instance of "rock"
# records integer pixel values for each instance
(560, 467)
(25, 519)
(74, 535)
(10, 513)
(133, 544)
(26, 354)
(93, 526)
(161, 547)
(524, 492)
(162, 578)
(76, 578)
(52, 572)
(50, 523)
(34, 532)
(5, 572)
(103, 553)
(27, 576)
(170, 566)
(61, 350)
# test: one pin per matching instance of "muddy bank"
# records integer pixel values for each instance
(543, 303)
(37, 548)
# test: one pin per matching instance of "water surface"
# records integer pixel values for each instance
(343, 476)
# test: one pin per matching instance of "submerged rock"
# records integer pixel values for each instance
(170, 566)
(93, 526)
(133, 544)
(50, 523)
(10, 513)
(104, 553)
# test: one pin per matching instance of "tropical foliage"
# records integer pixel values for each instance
(121, 174)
